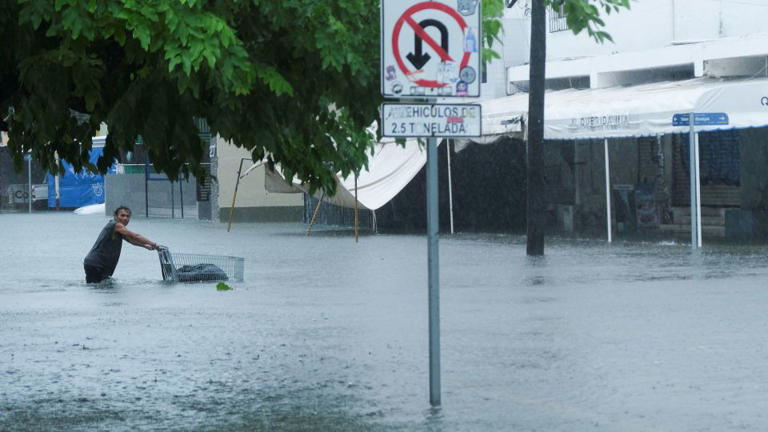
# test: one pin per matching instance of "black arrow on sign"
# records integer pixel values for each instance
(421, 58)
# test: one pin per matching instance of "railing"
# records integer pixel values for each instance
(557, 21)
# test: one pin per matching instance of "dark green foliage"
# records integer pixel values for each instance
(294, 81)
(585, 15)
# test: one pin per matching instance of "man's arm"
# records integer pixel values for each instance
(135, 238)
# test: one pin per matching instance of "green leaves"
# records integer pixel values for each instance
(492, 12)
(294, 81)
(276, 82)
(585, 15)
(221, 286)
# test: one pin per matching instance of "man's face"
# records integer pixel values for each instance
(123, 216)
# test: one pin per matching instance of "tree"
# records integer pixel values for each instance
(580, 15)
(295, 82)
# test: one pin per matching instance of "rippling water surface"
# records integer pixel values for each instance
(326, 334)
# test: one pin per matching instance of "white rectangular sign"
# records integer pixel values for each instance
(430, 48)
(431, 120)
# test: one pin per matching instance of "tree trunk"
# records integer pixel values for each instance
(534, 159)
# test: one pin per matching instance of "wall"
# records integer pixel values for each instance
(649, 24)
(9, 176)
(750, 222)
(754, 181)
(488, 192)
(253, 202)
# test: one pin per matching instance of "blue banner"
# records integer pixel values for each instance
(79, 189)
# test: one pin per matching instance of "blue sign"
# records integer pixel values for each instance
(27, 157)
(700, 119)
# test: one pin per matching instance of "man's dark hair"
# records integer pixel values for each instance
(117, 210)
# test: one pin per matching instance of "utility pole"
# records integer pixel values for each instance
(534, 151)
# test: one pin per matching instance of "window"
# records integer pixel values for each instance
(557, 21)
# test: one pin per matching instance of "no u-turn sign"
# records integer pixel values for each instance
(430, 48)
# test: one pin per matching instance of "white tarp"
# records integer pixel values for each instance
(641, 110)
(390, 169)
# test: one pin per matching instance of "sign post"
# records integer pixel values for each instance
(433, 270)
(692, 120)
(431, 49)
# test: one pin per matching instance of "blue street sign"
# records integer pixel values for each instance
(700, 119)
(27, 157)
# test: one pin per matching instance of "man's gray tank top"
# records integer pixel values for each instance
(106, 251)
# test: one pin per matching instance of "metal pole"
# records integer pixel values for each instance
(356, 211)
(234, 196)
(450, 183)
(146, 184)
(607, 189)
(434, 273)
(181, 199)
(692, 169)
(29, 179)
(698, 192)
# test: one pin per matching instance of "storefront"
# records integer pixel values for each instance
(645, 130)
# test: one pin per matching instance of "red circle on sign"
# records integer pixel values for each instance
(408, 15)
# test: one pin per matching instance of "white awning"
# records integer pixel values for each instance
(641, 110)
(390, 169)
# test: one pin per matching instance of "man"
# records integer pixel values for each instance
(101, 261)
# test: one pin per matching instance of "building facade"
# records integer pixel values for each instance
(656, 41)
(253, 202)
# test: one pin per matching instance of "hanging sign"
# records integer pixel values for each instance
(430, 49)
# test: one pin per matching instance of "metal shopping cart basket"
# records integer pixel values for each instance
(184, 267)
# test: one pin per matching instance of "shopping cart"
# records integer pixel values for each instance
(184, 267)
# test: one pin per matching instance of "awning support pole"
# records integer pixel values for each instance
(433, 258)
(314, 215)
(146, 185)
(173, 203)
(607, 190)
(234, 196)
(450, 183)
(693, 165)
(181, 199)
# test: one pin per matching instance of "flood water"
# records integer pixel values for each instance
(328, 335)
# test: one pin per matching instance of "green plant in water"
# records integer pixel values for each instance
(221, 286)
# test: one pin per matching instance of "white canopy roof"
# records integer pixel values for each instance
(631, 111)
